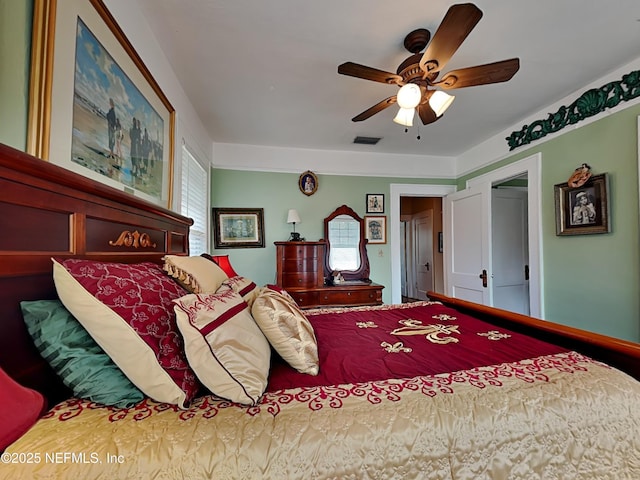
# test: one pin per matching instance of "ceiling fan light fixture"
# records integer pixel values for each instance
(440, 101)
(409, 96)
(405, 116)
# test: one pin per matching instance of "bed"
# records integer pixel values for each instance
(437, 389)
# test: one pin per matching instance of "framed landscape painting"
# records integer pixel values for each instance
(100, 111)
(238, 227)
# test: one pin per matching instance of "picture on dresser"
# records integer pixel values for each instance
(238, 227)
(375, 203)
(376, 228)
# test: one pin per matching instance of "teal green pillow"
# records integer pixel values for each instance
(75, 356)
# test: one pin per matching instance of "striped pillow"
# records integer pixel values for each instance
(75, 356)
(224, 346)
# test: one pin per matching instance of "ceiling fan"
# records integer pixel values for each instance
(418, 74)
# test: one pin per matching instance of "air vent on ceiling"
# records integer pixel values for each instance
(366, 140)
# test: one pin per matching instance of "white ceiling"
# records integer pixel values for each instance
(265, 72)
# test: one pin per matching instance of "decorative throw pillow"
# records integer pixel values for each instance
(77, 359)
(247, 289)
(282, 291)
(196, 274)
(20, 408)
(224, 345)
(223, 262)
(288, 330)
(127, 309)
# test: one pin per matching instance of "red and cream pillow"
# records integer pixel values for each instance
(196, 274)
(288, 330)
(246, 288)
(225, 347)
(128, 310)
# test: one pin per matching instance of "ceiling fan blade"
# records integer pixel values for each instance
(456, 25)
(480, 75)
(378, 107)
(368, 73)
(426, 114)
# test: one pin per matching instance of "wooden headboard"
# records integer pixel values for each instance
(48, 211)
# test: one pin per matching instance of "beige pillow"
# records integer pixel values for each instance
(196, 274)
(224, 346)
(287, 329)
(247, 289)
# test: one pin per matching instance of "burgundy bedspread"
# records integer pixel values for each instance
(403, 341)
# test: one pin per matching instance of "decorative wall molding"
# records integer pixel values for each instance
(590, 103)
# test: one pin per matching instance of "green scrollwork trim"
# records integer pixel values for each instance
(590, 103)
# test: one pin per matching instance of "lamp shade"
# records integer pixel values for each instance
(293, 217)
(440, 101)
(409, 96)
(405, 116)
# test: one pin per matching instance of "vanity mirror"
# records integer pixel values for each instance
(346, 250)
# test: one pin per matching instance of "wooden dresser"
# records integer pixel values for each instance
(300, 271)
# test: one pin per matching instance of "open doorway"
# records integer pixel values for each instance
(398, 191)
(421, 257)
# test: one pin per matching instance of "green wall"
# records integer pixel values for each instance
(592, 281)
(277, 193)
(15, 48)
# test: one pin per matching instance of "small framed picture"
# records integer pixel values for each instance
(375, 203)
(238, 227)
(376, 228)
(583, 210)
(308, 183)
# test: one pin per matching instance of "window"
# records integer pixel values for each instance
(195, 201)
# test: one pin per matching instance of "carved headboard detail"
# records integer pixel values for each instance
(47, 211)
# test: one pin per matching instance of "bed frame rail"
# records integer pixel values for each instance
(622, 354)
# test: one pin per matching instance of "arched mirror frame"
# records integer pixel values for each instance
(362, 273)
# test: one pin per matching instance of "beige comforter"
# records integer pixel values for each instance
(561, 416)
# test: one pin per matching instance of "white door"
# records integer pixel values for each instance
(467, 253)
(423, 234)
(510, 249)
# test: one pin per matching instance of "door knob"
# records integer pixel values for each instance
(427, 265)
(483, 276)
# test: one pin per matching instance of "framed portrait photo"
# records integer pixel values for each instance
(100, 112)
(376, 228)
(238, 227)
(585, 209)
(308, 183)
(375, 203)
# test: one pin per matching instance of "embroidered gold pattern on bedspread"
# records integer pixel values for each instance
(494, 335)
(484, 427)
(395, 348)
(368, 324)
(431, 332)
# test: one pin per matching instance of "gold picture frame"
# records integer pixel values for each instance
(308, 183)
(70, 118)
(583, 210)
(376, 228)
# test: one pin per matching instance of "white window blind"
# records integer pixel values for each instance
(195, 201)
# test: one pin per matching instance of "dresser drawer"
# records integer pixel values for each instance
(294, 252)
(346, 296)
(301, 265)
(308, 298)
(299, 279)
